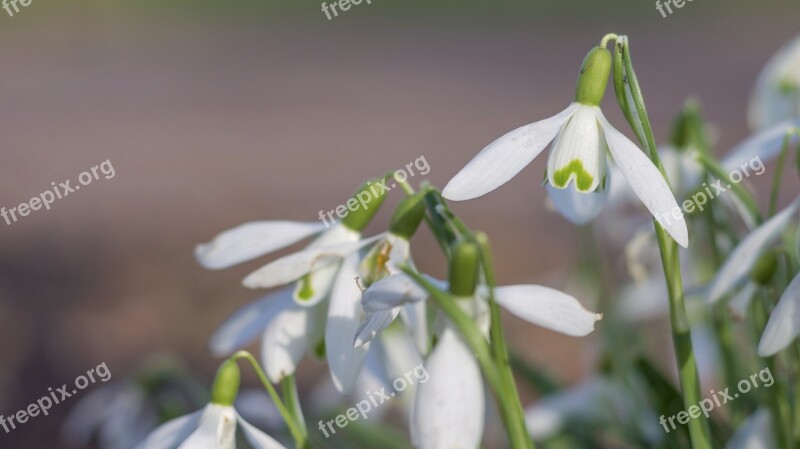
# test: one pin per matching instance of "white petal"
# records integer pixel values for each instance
(646, 182)
(316, 285)
(373, 324)
(297, 265)
(170, 434)
(741, 300)
(257, 438)
(548, 308)
(502, 159)
(392, 291)
(550, 414)
(644, 300)
(448, 410)
(247, 323)
(742, 259)
(769, 103)
(251, 240)
(762, 146)
(754, 433)
(285, 339)
(415, 317)
(578, 154)
(344, 316)
(88, 415)
(578, 208)
(784, 322)
(217, 429)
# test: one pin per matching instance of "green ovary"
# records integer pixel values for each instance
(305, 290)
(583, 179)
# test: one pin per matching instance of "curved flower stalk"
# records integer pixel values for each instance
(776, 96)
(322, 290)
(580, 135)
(213, 426)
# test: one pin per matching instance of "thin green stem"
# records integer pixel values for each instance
(628, 91)
(300, 437)
(776, 180)
(290, 395)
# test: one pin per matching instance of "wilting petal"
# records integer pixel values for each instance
(548, 308)
(578, 153)
(172, 433)
(285, 339)
(579, 208)
(773, 99)
(754, 433)
(344, 316)
(251, 240)
(742, 259)
(762, 146)
(448, 409)
(297, 265)
(257, 438)
(217, 429)
(247, 323)
(392, 291)
(646, 182)
(784, 323)
(373, 324)
(502, 159)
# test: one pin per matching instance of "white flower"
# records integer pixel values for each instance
(744, 257)
(577, 161)
(784, 322)
(212, 427)
(755, 433)
(776, 96)
(324, 296)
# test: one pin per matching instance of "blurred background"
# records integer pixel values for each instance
(218, 113)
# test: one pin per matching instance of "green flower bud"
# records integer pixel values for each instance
(594, 75)
(364, 204)
(464, 263)
(408, 216)
(226, 384)
(764, 268)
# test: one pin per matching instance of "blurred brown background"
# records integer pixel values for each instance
(217, 113)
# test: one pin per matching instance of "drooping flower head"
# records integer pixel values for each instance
(776, 96)
(576, 167)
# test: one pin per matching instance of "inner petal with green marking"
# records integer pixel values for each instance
(573, 171)
(578, 154)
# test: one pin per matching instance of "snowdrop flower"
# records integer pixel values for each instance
(213, 426)
(577, 161)
(448, 410)
(784, 322)
(755, 433)
(776, 96)
(321, 301)
(745, 256)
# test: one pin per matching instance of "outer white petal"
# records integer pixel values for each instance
(322, 278)
(344, 316)
(646, 182)
(247, 323)
(415, 317)
(769, 104)
(373, 324)
(579, 208)
(549, 415)
(170, 434)
(392, 291)
(578, 142)
(547, 307)
(741, 300)
(217, 429)
(448, 410)
(129, 420)
(502, 159)
(762, 146)
(257, 438)
(784, 322)
(644, 300)
(251, 240)
(285, 339)
(742, 259)
(295, 266)
(89, 414)
(754, 433)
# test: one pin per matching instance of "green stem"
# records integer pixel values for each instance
(290, 395)
(299, 436)
(628, 90)
(776, 180)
